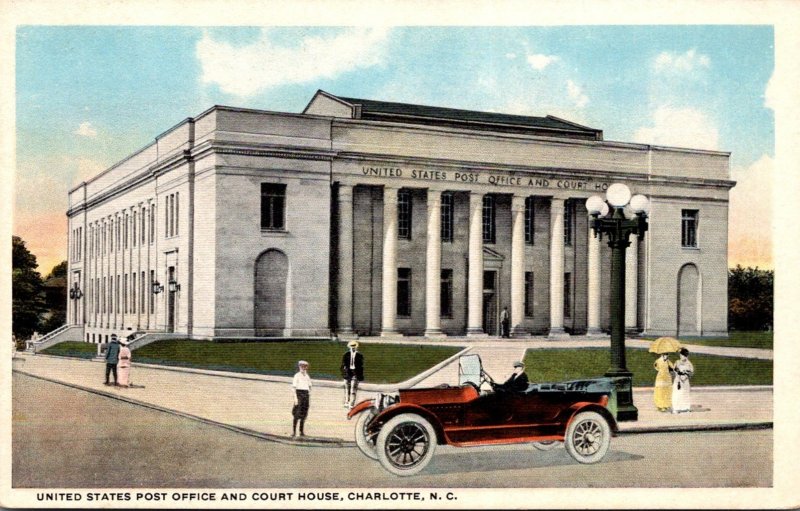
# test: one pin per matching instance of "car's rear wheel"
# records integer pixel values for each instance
(405, 444)
(364, 440)
(588, 437)
(546, 445)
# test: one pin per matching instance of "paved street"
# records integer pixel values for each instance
(64, 437)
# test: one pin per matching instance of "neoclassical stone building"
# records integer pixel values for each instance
(376, 218)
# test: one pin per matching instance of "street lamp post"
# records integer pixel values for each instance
(619, 216)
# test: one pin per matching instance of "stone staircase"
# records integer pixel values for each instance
(61, 334)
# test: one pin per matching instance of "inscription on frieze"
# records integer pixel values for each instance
(483, 177)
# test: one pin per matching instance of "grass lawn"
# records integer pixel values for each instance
(735, 339)
(72, 349)
(384, 363)
(567, 364)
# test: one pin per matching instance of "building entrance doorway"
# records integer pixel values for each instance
(490, 311)
(272, 268)
(689, 302)
(171, 300)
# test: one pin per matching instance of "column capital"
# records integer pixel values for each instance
(518, 203)
(390, 193)
(345, 192)
(434, 193)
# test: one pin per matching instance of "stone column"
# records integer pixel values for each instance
(389, 298)
(475, 276)
(433, 265)
(517, 265)
(631, 284)
(557, 268)
(593, 319)
(344, 312)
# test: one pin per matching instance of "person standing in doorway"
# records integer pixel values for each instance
(352, 372)
(505, 323)
(301, 387)
(112, 358)
(124, 364)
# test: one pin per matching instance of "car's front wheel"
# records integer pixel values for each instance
(588, 437)
(405, 444)
(364, 440)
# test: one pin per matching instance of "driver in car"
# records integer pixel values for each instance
(517, 382)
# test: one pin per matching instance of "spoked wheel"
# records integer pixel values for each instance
(364, 440)
(405, 444)
(546, 445)
(588, 437)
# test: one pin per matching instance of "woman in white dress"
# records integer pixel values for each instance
(681, 386)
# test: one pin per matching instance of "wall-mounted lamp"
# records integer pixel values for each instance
(173, 286)
(157, 287)
(75, 293)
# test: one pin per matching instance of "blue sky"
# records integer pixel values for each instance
(87, 96)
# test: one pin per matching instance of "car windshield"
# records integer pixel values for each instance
(469, 369)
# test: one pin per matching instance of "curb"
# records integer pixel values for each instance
(705, 428)
(369, 387)
(307, 442)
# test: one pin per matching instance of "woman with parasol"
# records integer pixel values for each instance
(662, 394)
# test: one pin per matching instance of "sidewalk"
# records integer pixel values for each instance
(260, 405)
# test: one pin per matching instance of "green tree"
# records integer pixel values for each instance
(55, 289)
(26, 290)
(750, 298)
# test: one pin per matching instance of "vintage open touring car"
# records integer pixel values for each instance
(402, 430)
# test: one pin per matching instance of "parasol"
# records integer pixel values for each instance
(665, 345)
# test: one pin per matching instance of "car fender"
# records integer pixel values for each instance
(360, 407)
(399, 408)
(579, 407)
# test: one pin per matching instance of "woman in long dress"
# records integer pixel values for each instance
(301, 386)
(662, 394)
(124, 366)
(682, 387)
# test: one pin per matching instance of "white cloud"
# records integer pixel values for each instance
(750, 214)
(246, 70)
(539, 61)
(672, 62)
(679, 127)
(771, 94)
(576, 94)
(86, 130)
(511, 55)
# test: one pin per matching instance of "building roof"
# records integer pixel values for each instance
(368, 109)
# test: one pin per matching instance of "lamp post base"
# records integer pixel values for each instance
(623, 389)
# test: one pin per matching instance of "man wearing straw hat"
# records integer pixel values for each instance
(352, 372)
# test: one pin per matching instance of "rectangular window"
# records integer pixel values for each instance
(133, 229)
(150, 292)
(141, 293)
(133, 292)
(111, 294)
(567, 295)
(273, 206)
(152, 223)
(446, 294)
(689, 218)
(125, 293)
(529, 218)
(448, 210)
(143, 224)
(488, 219)
(528, 294)
(404, 292)
(404, 214)
(118, 294)
(172, 215)
(125, 231)
(569, 220)
(177, 213)
(166, 217)
(103, 297)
